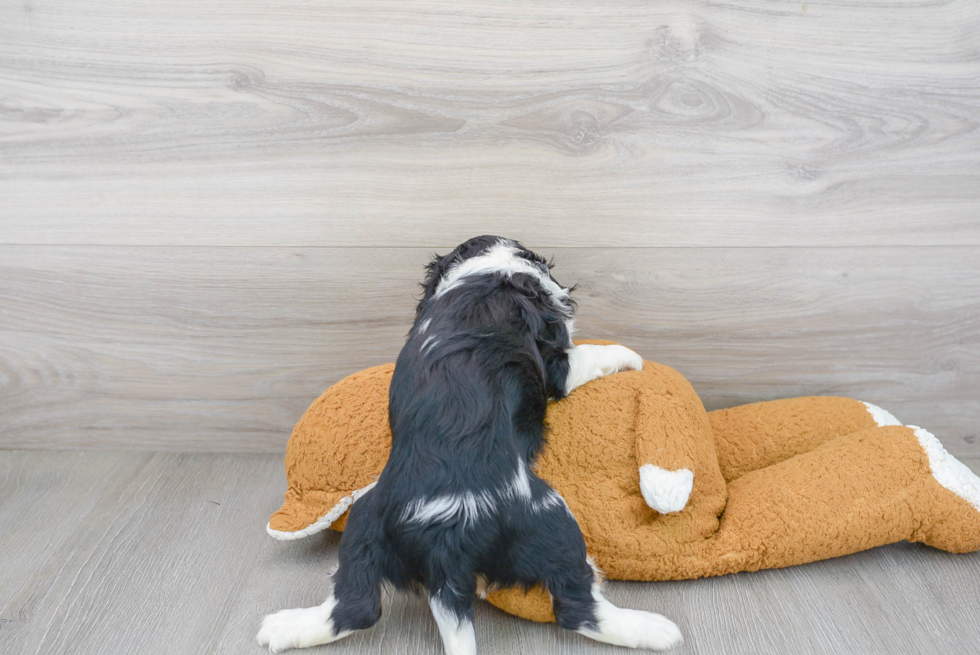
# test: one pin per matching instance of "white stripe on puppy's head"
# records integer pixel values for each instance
(502, 257)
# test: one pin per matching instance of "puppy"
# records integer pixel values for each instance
(458, 503)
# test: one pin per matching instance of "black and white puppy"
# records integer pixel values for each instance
(458, 503)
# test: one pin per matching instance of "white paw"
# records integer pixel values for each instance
(666, 491)
(630, 628)
(634, 629)
(655, 632)
(620, 358)
(589, 362)
(298, 628)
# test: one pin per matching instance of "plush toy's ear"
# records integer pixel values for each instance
(664, 436)
(335, 454)
(302, 515)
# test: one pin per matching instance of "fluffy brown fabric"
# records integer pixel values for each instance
(775, 484)
(339, 446)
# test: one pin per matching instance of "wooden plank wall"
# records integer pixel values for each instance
(211, 211)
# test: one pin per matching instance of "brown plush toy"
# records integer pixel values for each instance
(664, 490)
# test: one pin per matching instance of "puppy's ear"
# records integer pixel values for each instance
(434, 271)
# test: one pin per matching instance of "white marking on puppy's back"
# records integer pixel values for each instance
(426, 344)
(520, 485)
(550, 500)
(423, 326)
(467, 506)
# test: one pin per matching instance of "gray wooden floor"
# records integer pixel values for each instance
(113, 552)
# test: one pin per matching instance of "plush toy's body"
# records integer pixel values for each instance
(774, 484)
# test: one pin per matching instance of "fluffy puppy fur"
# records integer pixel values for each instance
(458, 500)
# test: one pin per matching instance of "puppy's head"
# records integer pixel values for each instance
(484, 254)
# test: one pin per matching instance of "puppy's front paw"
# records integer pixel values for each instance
(620, 358)
(588, 362)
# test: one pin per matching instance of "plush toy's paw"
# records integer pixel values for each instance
(881, 417)
(947, 470)
(298, 628)
(589, 362)
(665, 491)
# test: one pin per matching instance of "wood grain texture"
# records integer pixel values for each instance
(167, 554)
(221, 349)
(151, 565)
(572, 123)
(949, 615)
(40, 512)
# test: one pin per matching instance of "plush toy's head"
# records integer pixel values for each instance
(593, 459)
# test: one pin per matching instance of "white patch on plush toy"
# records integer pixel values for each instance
(949, 471)
(299, 628)
(630, 628)
(458, 636)
(589, 362)
(880, 416)
(324, 521)
(666, 491)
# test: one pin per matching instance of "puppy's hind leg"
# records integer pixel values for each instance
(580, 606)
(452, 588)
(626, 627)
(454, 616)
(553, 552)
(354, 603)
(301, 627)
